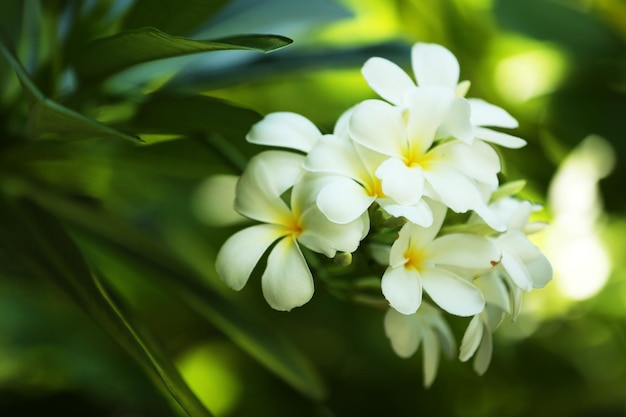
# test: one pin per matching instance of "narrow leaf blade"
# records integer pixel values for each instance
(53, 255)
(106, 56)
(150, 259)
(47, 117)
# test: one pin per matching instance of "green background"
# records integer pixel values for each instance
(112, 113)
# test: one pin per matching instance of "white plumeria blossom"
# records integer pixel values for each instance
(426, 327)
(523, 262)
(477, 340)
(454, 172)
(286, 130)
(441, 266)
(353, 185)
(522, 267)
(434, 65)
(287, 281)
(422, 149)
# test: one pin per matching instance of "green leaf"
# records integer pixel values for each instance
(106, 56)
(171, 114)
(52, 254)
(224, 125)
(151, 259)
(46, 117)
(177, 17)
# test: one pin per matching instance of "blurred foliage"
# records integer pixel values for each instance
(112, 113)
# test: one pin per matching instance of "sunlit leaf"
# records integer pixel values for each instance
(107, 56)
(47, 117)
(52, 254)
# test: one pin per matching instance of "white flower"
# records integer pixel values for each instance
(477, 340)
(426, 327)
(352, 182)
(522, 261)
(442, 266)
(287, 281)
(454, 172)
(434, 65)
(285, 130)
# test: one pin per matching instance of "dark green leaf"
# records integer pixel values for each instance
(193, 115)
(52, 254)
(47, 117)
(152, 259)
(224, 125)
(176, 17)
(107, 56)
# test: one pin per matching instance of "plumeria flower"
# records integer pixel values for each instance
(285, 130)
(426, 327)
(287, 281)
(454, 172)
(477, 340)
(352, 182)
(434, 65)
(522, 267)
(523, 262)
(441, 266)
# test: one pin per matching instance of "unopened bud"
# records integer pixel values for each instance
(343, 258)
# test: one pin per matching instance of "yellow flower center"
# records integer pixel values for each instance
(413, 158)
(415, 258)
(374, 187)
(294, 226)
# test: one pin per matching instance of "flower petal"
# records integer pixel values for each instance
(287, 281)
(420, 214)
(471, 338)
(323, 236)
(343, 200)
(427, 108)
(434, 65)
(241, 252)
(403, 184)
(431, 356)
(483, 356)
(540, 271)
(460, 193)
(286, 130)
(436, 321)
(457, 122)
(477, 161)
(499, 138)
(400, 247)
(341, 126)
(454, 189)
(378, 126)
(463, 250)
(516, 269)
(336, 155)
(402, 333)
(452, 293)
(387, 79)
(403, 289)
(487, 114)
(494, 290)
(267, 176)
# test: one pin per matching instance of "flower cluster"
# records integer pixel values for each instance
(398, 167)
